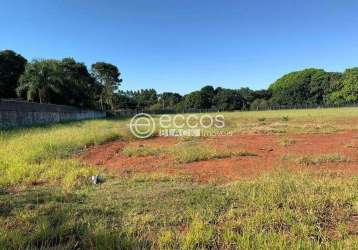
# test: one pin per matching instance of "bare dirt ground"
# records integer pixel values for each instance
(272, 150)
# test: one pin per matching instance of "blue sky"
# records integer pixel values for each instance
(182, 45)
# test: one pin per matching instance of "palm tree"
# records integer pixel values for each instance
(40, 79)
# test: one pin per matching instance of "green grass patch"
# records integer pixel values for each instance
(284, 118)
(34, 155)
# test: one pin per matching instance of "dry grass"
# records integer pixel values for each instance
(309, 160)
(283, 210)
(287, 142)
(192, 152)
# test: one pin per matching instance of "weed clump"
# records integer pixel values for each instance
(287, 142)
(284, 118)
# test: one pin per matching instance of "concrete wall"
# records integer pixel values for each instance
(15, 113)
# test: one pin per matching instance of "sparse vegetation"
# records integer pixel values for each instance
(46, 201)
(186, 153)
(140, 151)
(321, 159)
(287, 141)
(244, 153)
(352, 145)
(191, 153)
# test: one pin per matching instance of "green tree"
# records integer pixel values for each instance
(108, 76)
(78, 87)
(260, 104)
(262, 94)
(247, 96)
(207, 94)
(202, 99)
(168, 100)
(227, 99)
(349, 91)
(12, 65)
(335, 95)
(41, 80)
(192, 100)
(124, 101)
(306, 86)
(144, 98)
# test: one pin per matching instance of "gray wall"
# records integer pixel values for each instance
(15, 113)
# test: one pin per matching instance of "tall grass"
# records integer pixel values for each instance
(33, 155)
(282, 210)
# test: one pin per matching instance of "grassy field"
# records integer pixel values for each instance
(47, 200)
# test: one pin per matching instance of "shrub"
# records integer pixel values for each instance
(284, 118)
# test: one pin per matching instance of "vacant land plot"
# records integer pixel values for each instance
(284, 179)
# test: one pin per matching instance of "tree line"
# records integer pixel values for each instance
(70, 82)
(63, 81)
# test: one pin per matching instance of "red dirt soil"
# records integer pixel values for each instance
(269, 149)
